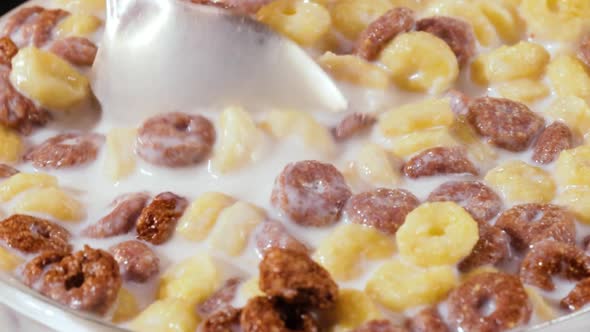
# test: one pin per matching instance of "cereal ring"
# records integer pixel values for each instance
(263, 314)
(7, 171)
(374, 38)
(384, 209)
(552, 140)
(36, 24)
(224, 320)
(550, 257)
(467, 303)
(221, 299)
(457, 34)
(272, 234)
(156, 222)
(352, 125)
(122, 219)
(22, 15)
(439, 160)
(86, 280)
(584, 50)
(427, 320)
(508, 124)
(577, 297)
(33, 270)
(7, 51)
(78, 51)
(475, 197)
(527, 224)
(17, 111)
(175, 139)
(297, 279)
(32, 235)
(66, 150)
(310, 193)
(492, 247)
(137, 262)
(380, 325)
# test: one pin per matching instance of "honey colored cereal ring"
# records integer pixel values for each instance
(527, 224)
(311, 193)
(475, 197)
(584, 50)
(175, 139)
(457, 34)
(512, 307)
(548, 258)
(66, 150)
(30, 234)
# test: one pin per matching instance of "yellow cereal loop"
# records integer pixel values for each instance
(201, 215)
(51, 201)
(79, 25)
(562, 20)
(48, 79)
(11, 145)
(440, 233)
(479, 150)
(126, 307)
(577, 200)
(192, 280)
(351, 17)
(568, 77)
(412, 4)
(523, 90)
(506, 63)
(409, 144)
(343, 251)
(9, 261)
(399, 285)
(409, 58)
(250, 288)
(378, 167)
(520, 182)
(234, 225)
(21, 182)
(304, 22)
(412, 117)
(574, 111)
(120, 161)
(353, 69)
(167, 315)
(83, 6)
(504, 18)
(573, 167)
(352, 309)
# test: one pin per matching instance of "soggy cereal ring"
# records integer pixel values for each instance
(35, 23)
(554, 139)
(78, 51)
(272, 234)
(512, 307)
(7, 51)
(492, 247)
(457, 34)
(241, 6)
(7, 171)
(352, 125)
(384, 209)
(220, 299)
(175, 139)
(157, 221)
(439, 160)
(66, 150)
(380, 325)
(32, 235)
(548, 258)
(527, 224)
(577, 297)
(137, 261)
(86, 280)
(121, 219)
(226, 319)
(427, 320)
(264, 314)
(310, 193)
(475, 197)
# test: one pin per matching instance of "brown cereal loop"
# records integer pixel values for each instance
(7, 51)
(157, 220)
(577, 297)
(384, 209)
(137, 261)
(311, 193)
(33, 270)
(352, 125)
(86, 280)
(380, 325)
(66, 150)
(221, 299)
(492, 248)
(512, 307)
(548, 258)
(78, 51)
(32, 235)
(224, 320)
(263, 314)
(554, 139)
(439, 160)
(376, 36)
(527, 224)
(42, 27)
(7, 171)
(427, 320)
(20, 16)
(272, 234)
(475, 197)
(508, 124)
(297, 279)
(456, 33)
(175, 139)
(121, 219)
(584, 50)
(459, 102)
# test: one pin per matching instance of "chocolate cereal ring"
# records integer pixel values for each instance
(530, 223)
(427, 320)
(311, 193)
(577, 297)
(121, 219)
(32, 235)
(492, 247)
(475, 197)
(175, 139)
(439, 160)
(457, 34)
(137, 261)
(512, 307)
(66, 150)
(264, 314)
